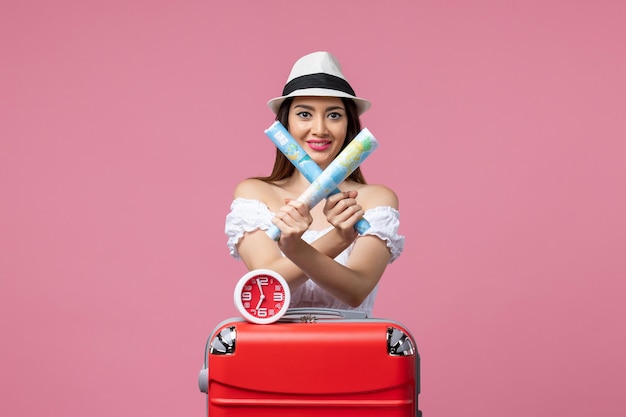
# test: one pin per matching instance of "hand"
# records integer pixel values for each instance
(293, 219)
(343, 211)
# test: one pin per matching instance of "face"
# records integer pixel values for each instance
(319, 124)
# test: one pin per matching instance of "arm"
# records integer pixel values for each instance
(257, 250)
(350, 283)
(353, 282)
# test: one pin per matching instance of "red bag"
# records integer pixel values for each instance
(311, 362)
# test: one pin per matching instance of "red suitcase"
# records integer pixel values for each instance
(311, 362)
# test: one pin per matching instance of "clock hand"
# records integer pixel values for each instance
(260, 301)
(258, 283)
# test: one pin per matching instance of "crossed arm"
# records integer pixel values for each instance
(350, 283)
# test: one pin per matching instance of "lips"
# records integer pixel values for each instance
(319, 145)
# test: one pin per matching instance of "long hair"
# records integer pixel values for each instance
(283, 168)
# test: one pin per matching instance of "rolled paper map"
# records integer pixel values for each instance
(339, 169)
(302, 161)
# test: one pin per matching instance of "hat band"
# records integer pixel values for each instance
(319, 80)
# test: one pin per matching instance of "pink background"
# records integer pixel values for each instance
(124, 126)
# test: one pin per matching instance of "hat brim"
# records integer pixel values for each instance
(362, 105)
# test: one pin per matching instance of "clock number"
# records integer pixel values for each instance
(261, 312)
(246, 296)
(262, 280)
(279, 296)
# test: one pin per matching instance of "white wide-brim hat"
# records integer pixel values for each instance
(318, 74)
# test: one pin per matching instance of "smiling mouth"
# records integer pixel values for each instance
(319, 145)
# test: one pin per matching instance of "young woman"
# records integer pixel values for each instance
(324, 260)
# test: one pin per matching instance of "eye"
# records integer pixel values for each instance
(335, 116)
(303, 114)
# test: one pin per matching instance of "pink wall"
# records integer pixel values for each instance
(124, 126)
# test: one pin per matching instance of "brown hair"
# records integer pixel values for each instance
(283, 168)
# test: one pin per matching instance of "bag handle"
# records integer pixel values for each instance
(312, 314)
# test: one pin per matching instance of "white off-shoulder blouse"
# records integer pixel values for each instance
(247, 215)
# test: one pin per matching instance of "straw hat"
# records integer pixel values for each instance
(318, 74)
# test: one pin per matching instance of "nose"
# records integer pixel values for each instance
(319, 126)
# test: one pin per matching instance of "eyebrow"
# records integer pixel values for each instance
(307, 107)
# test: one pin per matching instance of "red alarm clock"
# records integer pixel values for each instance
(262, 296)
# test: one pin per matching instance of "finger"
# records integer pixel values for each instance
(296, 215)
(346, 204)
(285, 223)
(350, 214)
(301, 208)
(335, 199)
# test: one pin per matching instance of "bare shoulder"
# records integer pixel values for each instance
(252, 188)
(374, 195)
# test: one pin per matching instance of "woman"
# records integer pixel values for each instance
(324, 260)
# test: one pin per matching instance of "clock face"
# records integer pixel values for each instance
(262, 296)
